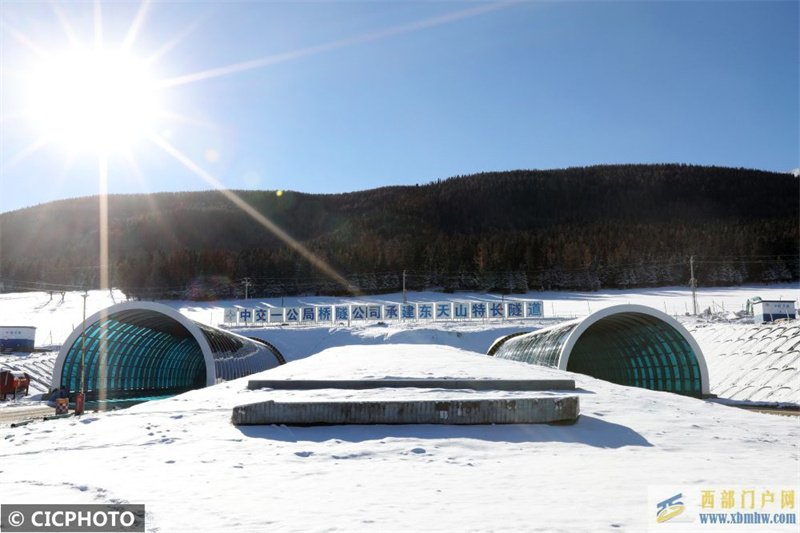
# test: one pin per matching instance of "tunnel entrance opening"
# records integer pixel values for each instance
(629, 345)
(639, 351)
(141, 351)
(135, 354)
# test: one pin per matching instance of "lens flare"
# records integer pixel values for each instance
(93, 100)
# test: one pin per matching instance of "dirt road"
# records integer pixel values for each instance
(11, 415)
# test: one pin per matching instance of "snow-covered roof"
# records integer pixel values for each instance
(754, 363)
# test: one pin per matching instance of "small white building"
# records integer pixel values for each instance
(772, 310)
(17, 338)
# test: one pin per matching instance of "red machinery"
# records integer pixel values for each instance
(15, 383)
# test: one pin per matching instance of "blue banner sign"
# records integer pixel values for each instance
(422, 311)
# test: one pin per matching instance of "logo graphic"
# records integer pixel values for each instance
(16, 519)
(669, 508)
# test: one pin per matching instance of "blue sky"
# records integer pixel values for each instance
(341, 96)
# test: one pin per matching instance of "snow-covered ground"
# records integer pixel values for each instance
(738, 369)
(675, 301)
(194, 471)
(56, 319)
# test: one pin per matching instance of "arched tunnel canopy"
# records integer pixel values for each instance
(626, 344)
(140, 349)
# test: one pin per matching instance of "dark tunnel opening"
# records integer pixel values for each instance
(628, 345)
(135, 354)
(639, 351)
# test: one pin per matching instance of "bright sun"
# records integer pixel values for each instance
(94, 101)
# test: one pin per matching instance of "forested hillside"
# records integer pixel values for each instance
(578, 228)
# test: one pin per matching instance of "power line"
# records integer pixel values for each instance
(693, 283)
(418, 277)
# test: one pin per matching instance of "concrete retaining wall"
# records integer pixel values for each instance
(468, 411)
(469, 384)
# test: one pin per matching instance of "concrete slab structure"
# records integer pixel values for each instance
(531, 410)
(468, 384)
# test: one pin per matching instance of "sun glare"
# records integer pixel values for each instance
(94, 101)
(102, 101)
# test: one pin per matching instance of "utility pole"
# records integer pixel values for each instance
(79, 398)
(693, 283)
(404, 287)
(247, 284)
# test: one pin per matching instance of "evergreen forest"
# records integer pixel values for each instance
(592, 228)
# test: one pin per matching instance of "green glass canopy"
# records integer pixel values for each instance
(136, 350)
(133, 355)
(629, 345)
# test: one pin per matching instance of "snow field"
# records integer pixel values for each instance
(194, 471)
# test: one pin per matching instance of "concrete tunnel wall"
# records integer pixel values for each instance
(626, 344)
(139, 349)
